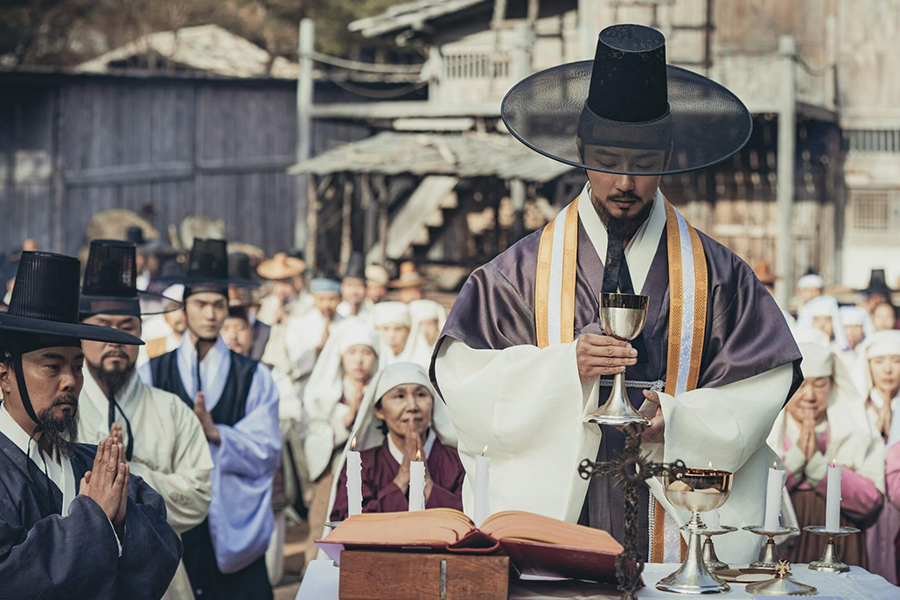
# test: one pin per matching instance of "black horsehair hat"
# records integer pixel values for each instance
(208, 269)
(356, 267)
(626, 111)
(45, 302)
(110, 283)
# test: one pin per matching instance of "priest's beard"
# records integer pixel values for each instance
(59, 433)
(628, 226)
(113, 380)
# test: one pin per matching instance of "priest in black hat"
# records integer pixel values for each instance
(74, 521)
(163, 440)
(236, 401)
(521, 357)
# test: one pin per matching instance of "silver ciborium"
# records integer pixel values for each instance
(698, 490)
(623, 317)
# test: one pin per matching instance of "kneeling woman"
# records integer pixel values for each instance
(824, 423)
(401, 416)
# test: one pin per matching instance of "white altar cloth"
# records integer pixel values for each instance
(321, 583)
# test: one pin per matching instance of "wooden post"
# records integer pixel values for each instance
(346, 225)
(312, 220)
(306, 45)
(784, 262)
(370, 213)
(384, 224)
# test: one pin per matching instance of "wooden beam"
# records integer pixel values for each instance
(346, 224)
(370, 217)
(312, 222)
(305, 46)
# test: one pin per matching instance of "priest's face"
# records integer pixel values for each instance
(395, 335)
(358, 363)
(886, 374)
(206, 313)
(112, 364)
(811, 399)
(353, 290)
(624, 197)
(404, 404)
(54, 380)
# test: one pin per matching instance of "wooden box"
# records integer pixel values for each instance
(367, 575)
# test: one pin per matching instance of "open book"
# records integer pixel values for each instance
(536, 545)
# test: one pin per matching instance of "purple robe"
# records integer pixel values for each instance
(746, 335)
(379, 492)
(46, 556)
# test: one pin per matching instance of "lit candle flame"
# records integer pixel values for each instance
(418, 455)
(483, 452)
(353, 443)
(775, 465)
(710, 465)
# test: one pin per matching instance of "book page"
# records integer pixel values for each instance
(517, 525)
(433, 526)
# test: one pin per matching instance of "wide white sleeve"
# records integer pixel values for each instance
(725, 425)
(185, 485)
(526, 404)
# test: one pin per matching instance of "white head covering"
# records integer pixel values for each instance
(326, 387)
(391, 313)
(857, 315)
(418, 350)
(424, 310)
(853, 441)
(367, 428)
(811, 281)
(880, 343)
(824, 306)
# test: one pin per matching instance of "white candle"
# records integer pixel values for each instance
(711, 519)
(417, 484)
(354, 480)
(482, 487)
(773, 498)
(833, 499)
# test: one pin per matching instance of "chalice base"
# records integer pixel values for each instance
(693, 577)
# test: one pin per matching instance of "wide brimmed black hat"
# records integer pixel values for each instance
(208, 268)
(877, 284)
(626, 111)
(240, 271)
(135, 235)
(45, 302)
(110, 284)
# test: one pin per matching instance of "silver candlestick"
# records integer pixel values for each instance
(830, 563)
(623, 317)
(709, 550)
(768, 556)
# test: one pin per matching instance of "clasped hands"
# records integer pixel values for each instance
(411, 448)
(602, 355)
(107, 482)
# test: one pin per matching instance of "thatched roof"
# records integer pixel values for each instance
(208, 48)
(468, 154)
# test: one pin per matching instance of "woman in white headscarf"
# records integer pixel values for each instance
(878, 376)
(331, 400)
(394, 324)
(823, 313)
(401, 415)
(824, 423)
(428, 318)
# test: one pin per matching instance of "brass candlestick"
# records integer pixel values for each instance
(623, 317)
(830, 563)
(709, 550)
(768, 556)
(698, 490)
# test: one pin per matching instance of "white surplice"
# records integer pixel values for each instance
(170, 452)
(527, 405)
(240, 513)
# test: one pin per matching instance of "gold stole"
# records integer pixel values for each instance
(554, 309)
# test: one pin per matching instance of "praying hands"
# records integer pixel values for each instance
(107, 483)
(411, 448)
(206, 420)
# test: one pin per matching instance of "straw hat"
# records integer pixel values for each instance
(409, 277)
(281, 266)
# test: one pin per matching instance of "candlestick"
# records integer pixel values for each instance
(417, 483)
(711, 519)
(482, 487)
(354, 480)
(833, 499)
(773, 498)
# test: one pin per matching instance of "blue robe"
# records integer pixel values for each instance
(46, 556)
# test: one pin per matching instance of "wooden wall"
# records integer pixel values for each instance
(73, 146)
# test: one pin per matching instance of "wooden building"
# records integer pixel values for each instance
(819, 173)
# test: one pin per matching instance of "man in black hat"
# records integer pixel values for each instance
(75, 523)
(520, 358)
(163, 440)
(877, 292)
(237, 404)
(353, 290)
(242, 297)
(145, 248)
